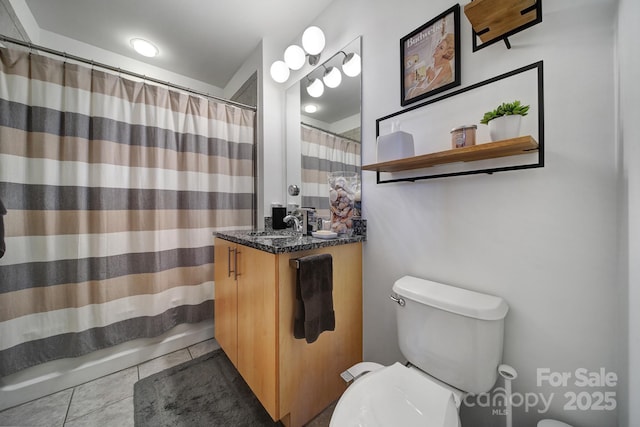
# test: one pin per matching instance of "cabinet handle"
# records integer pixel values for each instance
(235, 264)
(229, 271)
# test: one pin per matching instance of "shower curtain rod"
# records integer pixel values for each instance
(65, 55)
(330, 133)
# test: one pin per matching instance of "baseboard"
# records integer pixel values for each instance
(51, 377)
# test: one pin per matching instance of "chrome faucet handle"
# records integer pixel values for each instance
(296, 222)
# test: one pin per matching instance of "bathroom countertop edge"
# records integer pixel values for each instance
(279, 246)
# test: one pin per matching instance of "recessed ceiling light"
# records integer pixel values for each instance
(310, 108)
(144, 47)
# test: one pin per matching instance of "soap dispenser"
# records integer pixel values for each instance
(278, 212)
(309, 222)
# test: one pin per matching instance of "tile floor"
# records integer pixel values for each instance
(107, 401)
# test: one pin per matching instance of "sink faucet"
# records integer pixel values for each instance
(296, 221)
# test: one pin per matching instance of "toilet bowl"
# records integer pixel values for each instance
(452, 338)
(397, 395)
(552, 423)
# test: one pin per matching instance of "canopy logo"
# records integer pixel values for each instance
(596, 395)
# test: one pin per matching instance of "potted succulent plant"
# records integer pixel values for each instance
(504, 121)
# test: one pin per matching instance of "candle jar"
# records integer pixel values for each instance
(463, 136)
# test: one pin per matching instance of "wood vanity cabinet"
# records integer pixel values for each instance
(254, 313)
(245, 315)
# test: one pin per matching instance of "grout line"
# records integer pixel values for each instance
(66, 415)
(102, 408)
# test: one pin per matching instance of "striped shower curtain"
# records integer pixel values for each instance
(112, 189)
(324, 152)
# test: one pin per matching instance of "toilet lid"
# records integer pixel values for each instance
(395, 396)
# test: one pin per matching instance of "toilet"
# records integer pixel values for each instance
(452, 339)
(552, 423)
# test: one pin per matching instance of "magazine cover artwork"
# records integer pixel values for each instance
(430, 57)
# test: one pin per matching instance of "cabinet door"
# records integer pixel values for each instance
(226, 300)
(257, 317)
(309, 376)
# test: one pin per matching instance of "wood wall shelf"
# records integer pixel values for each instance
(494, 20)
(489, 150)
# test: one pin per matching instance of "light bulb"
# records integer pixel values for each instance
(352, 65)
(294, 57)
(144, 47)
(279, 71)
(315, 88)
(332, 77)
(313, 40)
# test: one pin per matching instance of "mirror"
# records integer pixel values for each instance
(327, 140)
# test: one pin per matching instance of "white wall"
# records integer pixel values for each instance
(629, 135)
(544, 239)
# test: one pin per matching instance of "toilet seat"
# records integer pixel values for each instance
(552, 423)
(396, 396)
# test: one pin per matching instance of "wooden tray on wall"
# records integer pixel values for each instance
(494, 20)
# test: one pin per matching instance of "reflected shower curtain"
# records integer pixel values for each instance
(113, 189)
(324, 152)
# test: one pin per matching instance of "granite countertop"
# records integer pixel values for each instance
(290, 242)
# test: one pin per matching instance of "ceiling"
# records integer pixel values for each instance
(207, 40)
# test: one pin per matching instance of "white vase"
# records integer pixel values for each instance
(505, 127)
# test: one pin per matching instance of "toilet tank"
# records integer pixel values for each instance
(453, 334)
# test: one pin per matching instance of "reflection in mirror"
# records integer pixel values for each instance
(323, 133)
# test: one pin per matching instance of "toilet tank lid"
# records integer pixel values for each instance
(450, 298)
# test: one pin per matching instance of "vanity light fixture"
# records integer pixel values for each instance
(315, 88)
(144, 47)
(313, 42)
(279, 71)
(332, 77)
(351, 64)
(294, 57)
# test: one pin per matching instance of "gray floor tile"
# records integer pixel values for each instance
(108, 401)
(161, 363)
(47, 411)
(102, 392)
(323, 419)
(118, 414)
(203, 348)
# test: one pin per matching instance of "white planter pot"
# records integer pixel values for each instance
(505, 127)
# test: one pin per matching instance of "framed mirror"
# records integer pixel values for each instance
(323, 133)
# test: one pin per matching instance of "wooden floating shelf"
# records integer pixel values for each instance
(492, 19)
(489, 150)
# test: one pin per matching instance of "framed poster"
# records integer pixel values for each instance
(430, 57)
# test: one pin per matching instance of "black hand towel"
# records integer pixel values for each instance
(3, 212)
(314, 297)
